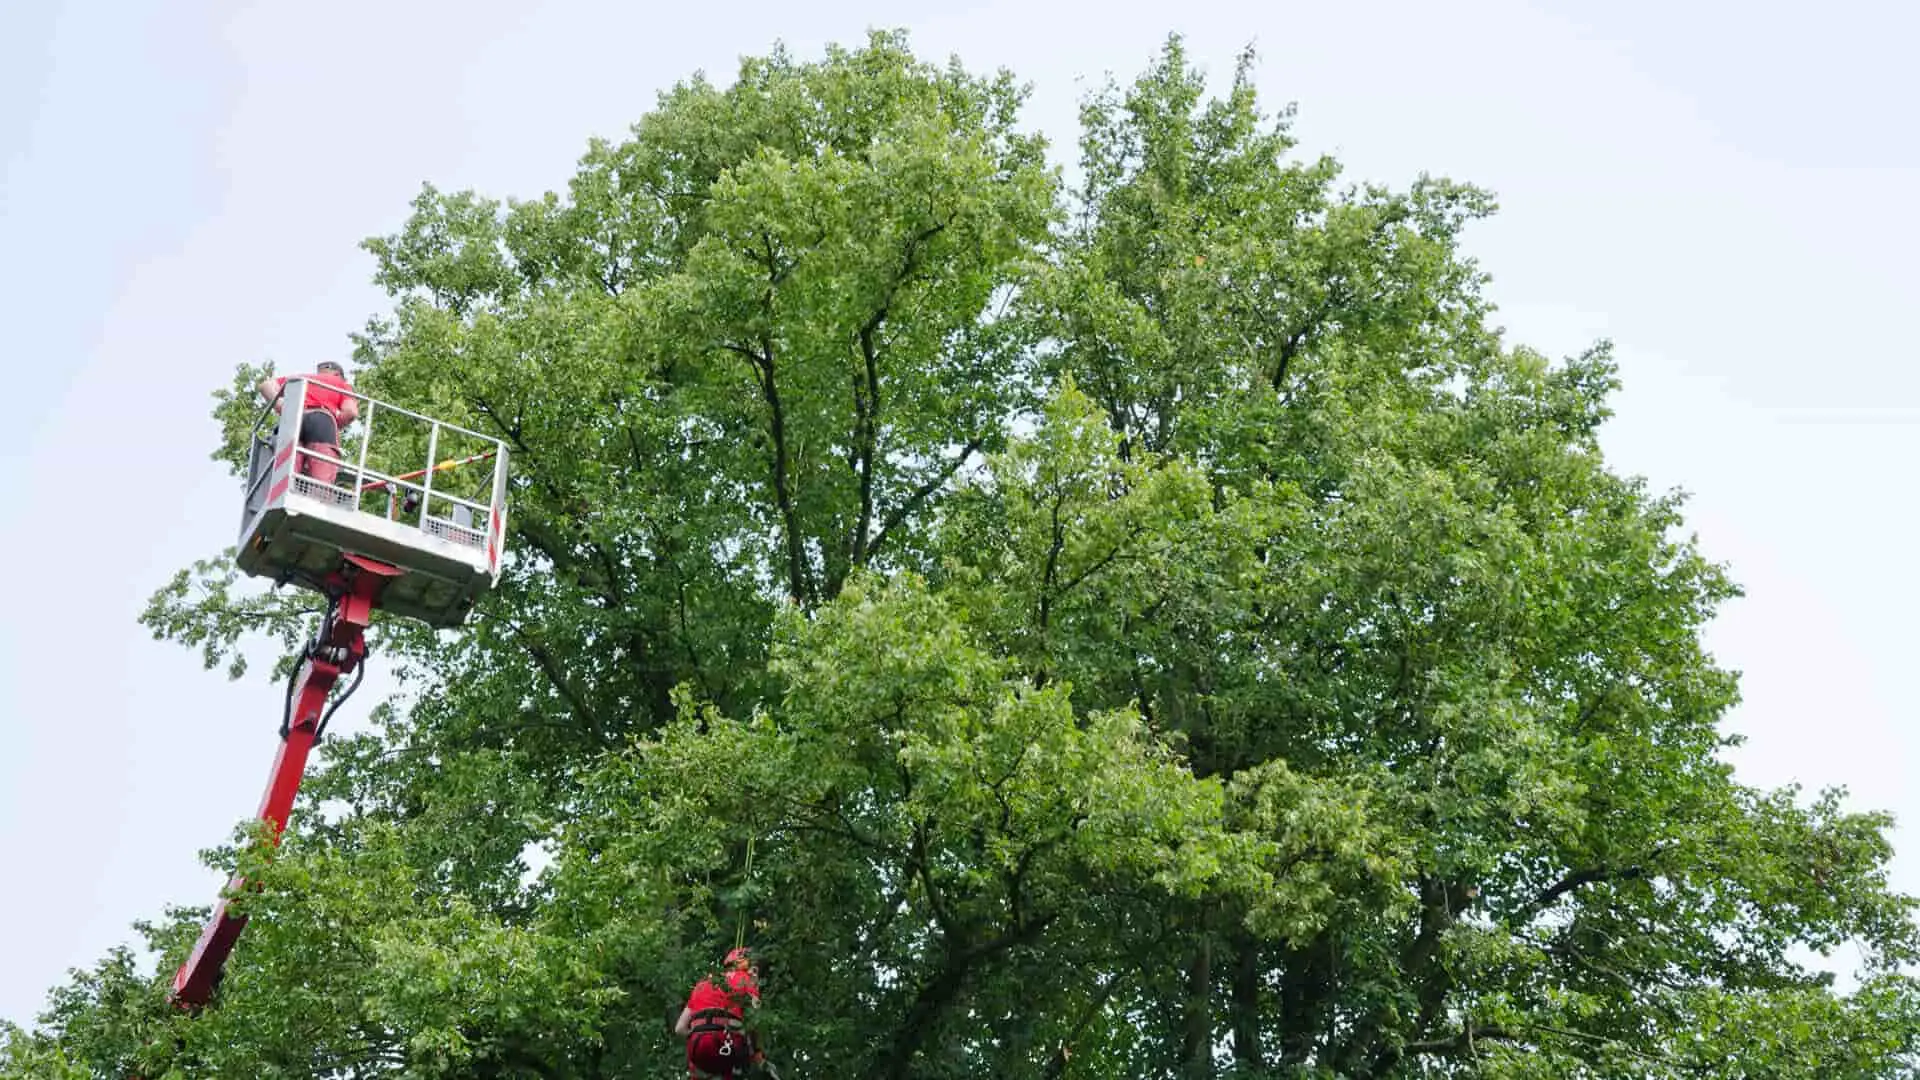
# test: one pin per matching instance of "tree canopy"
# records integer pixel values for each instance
(1152, 625)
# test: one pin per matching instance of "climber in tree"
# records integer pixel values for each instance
(330, 407)
(714, 1021)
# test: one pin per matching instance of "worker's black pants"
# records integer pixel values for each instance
(320, 438)
(318, 426)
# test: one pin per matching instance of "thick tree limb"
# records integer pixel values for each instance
(1244, 1003)
(1102, 562)
(1589, 876)
(549, 666)
(919, 496)
(866, 429)
(1196, 1021)
(799, 582)
(1057, 1061)
(1464, 1040)
(1055, 546)
(866, 395)
(940, 992)
(1440, 905)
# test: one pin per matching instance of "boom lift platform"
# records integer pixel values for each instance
(420, 552)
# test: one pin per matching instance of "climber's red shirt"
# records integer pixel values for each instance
(740, 987)
(323, 392)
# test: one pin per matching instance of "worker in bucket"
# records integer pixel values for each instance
(330, 406)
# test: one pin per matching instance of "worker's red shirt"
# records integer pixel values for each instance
(323, 392)
(740, 987)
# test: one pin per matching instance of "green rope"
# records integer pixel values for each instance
(740, 929)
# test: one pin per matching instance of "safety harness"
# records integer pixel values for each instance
(709, 1020)
(726, 1048)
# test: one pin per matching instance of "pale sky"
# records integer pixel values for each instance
(1725, 189)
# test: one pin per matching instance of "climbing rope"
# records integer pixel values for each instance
(740, 928)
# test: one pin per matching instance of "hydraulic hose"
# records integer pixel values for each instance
(359, 672)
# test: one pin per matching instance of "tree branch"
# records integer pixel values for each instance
(550, 666)
(1465, 1039)
(1440, 905)
(799, 584)
(940, 991)
(917, 856)
(1102, 562)
(920, 495)
(1058, 542)
(866, 394)
(1590, 876)
(866, 423)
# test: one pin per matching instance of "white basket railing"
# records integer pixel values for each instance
(440, 512)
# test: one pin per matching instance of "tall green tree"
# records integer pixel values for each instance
(1158, 628)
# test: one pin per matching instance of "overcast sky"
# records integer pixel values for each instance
(1726, 190)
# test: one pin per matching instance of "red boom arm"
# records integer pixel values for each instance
(355, 589)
